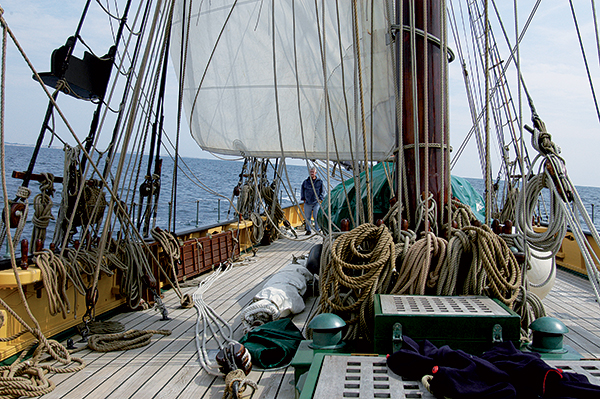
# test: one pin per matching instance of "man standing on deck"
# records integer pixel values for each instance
(312, 195)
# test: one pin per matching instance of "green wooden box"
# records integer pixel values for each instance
(470, 323)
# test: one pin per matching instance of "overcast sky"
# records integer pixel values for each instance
(551, 61)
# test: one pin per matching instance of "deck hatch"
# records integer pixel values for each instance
(470, 323)
(375, 381)
(440, 305)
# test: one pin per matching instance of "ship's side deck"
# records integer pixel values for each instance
(168, 367)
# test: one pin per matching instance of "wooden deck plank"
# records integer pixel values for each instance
(232, 307)
(172, 302)
(572, 301)
(169, 366)
(172, 379)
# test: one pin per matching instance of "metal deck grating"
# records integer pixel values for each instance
(364, 377)
(440, 305)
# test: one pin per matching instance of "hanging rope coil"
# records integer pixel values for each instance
(509, 211)
(426, 211)
(462, 214)
(550, 239)
(258, 228)
(42, 205)
(362, 261)
(415, 275)
(494, 269)
(69, 180)
(172, 248)
(246, 199)
(459, 243)
(54, 277)
(407, 239)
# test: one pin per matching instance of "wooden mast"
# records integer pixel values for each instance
(422, 91)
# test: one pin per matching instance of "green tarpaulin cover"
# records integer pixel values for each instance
(382, 176)
(273, 344)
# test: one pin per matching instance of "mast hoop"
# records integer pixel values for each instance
(433, 39)
(429, 145)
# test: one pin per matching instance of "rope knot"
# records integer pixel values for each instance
(236, 384)
(23, 192)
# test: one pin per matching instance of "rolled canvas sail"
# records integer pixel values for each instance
(253, 77)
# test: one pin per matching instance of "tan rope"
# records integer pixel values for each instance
(29, 378)
(361, 265)
(172, 248)
(54, 277)
(462, 214)
(42, 206)
(238, 376)
(414, 274)
(123, 341)
(362, 113)
(502, 272)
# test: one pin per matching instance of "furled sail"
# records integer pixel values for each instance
(253, 77)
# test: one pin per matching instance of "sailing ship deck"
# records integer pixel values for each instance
(169, 367)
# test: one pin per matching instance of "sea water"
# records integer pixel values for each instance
(203, 194)
(204, 187)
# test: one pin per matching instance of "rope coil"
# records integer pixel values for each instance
(361, 265)
(123, 341)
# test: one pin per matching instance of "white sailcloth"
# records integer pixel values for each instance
(253, 77)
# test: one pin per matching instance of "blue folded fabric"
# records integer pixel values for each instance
(501, 373)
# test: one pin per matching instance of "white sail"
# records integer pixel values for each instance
(246, 93)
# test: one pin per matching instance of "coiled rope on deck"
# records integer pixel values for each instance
(414, 274)
(238, 376)
(123, 341)
(362, 261)
(494, 269)
(29, 378)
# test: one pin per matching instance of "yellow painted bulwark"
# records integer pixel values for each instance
(29, 276)
(37, 300)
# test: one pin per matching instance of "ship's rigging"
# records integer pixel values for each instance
(371, 89)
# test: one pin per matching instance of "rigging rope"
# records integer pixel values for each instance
(208, 319)
(172, 248)
(54, 277)
(42, 205)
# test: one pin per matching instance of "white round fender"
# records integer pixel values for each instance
(542, 273)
